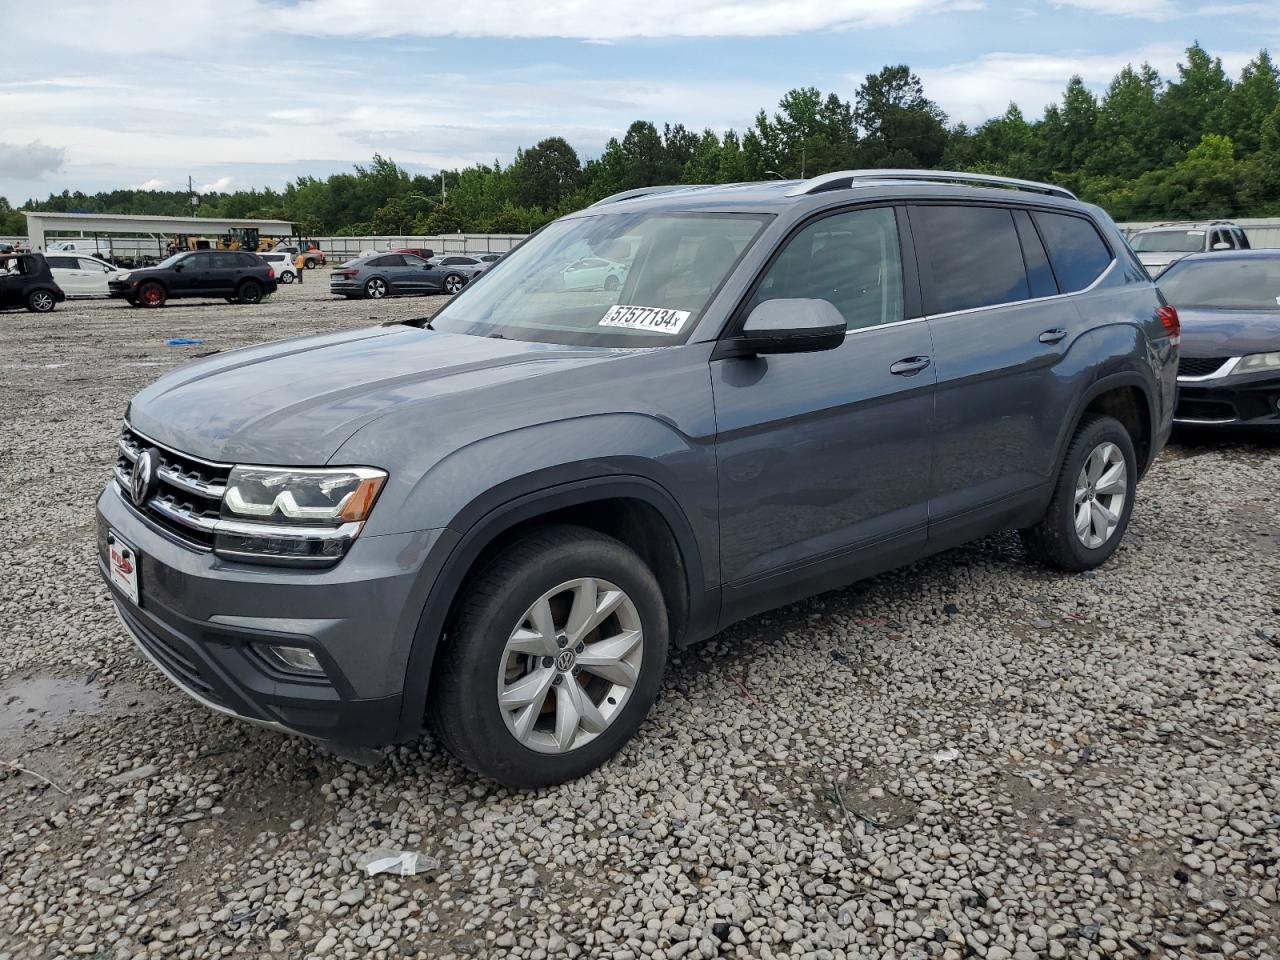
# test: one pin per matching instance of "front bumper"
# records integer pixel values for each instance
(201, 619)
(1246, 400)
(121, 289)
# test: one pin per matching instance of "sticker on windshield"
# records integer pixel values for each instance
(653, 319)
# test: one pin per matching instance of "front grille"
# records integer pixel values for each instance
(188, 491)
(1199, 366)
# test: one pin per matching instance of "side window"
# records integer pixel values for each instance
(1039, 273)
(1076, 251)
(851, 259)
(972, 255)
(91, 265)
(411, 261)
(63, 263)
(393, 260)
(1242, 239)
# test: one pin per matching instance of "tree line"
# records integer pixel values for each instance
(1198, 145)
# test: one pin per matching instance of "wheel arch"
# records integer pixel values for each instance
(634, 509)
(1128, 397)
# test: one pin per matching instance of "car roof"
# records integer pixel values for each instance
(775, 196)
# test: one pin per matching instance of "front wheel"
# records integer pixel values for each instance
(152, 295)
(553, 660)
(1092, 501)
(41, 301)
(453, 283)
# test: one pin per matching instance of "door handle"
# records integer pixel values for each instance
(909, 366)
(1053, 336)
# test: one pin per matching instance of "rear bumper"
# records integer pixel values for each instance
(346, 288)
(1229, 403)
(203, 622)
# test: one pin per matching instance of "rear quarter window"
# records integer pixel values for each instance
(1077, 252)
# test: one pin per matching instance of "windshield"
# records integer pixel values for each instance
(1168, 241)
(611, 280)
(1224, 284)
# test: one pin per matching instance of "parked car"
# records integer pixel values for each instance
(283, 263)
(26, 281)
(82, 276)
(593, 273)
(424, 253)
(1159, 246)
(457, 270)
(399, 274)
(488, 257)
(1229, 370)
(235, 275)
(90, 247)
(501, 519)
(312, 256)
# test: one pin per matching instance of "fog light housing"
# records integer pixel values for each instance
(293, 659)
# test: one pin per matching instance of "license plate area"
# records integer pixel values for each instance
(122, 566)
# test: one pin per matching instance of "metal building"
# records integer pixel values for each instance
(151, 234)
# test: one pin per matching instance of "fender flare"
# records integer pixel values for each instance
(485, 522)
(1105, 384)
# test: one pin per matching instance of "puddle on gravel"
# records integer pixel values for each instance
(27, 702)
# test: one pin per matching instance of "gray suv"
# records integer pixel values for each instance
(500, 520)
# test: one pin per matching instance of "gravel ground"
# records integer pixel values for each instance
(968, 757)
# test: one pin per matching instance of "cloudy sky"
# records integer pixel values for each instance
(240, 93)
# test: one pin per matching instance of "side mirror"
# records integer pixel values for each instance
(1221, 246)
(178, 268)
(787, 326)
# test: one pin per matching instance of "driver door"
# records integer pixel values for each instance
(824, 458)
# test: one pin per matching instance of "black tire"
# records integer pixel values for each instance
(249, 292)
(453, 283)
(1053, 541)
(463, 707)
(152, 295)
(41, 301)
(311, 264)
(286, 277)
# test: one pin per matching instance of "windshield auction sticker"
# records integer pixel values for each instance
(652, 319)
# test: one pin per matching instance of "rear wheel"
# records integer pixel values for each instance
(286, 277)
(376, 288)
(311, 264)
(41, 301)
(152, 295)
(1092, 501)
(453, 283)
(250, 292)
(553, 660)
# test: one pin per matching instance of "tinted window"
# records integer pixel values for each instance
(197, 261)
(411, 261)
(973, 256)
(1077, 252)
(1039, 273)
(456, 261)
(226, 261)
(852, 260)
(63, 263)
(1242, 240)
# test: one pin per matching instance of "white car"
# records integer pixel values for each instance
(83, 246)
(594, 273)
(81, 276)
(282, 263)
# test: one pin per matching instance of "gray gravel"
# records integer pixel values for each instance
(969, 757)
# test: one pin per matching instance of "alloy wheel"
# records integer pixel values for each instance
(375, 289)
(42, 301)
(570, 665)
(452, 283)
(1101, 488)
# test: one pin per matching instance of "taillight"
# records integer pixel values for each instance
(271, 274)
(1168, 315)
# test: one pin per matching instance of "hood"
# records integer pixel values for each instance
(1228, 333)
(294, 402)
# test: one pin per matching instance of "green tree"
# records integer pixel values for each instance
(544, 173)
(1191, 106)
(1251, 101)
(900, 126)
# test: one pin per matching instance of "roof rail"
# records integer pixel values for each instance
(644, 192)
(847, 178)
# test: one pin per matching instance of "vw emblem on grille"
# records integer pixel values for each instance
(143, 477)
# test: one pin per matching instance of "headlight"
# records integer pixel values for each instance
(1258, 361)
(299, 516)
(123, 276)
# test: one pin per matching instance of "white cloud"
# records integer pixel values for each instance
(591, 20)
(977, 90)
(30, 161)
(1141, 9)
(155, 183)
(221, 185)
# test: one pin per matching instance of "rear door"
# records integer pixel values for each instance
(1002, 333)
(824, 457)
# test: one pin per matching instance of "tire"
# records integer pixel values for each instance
(311, 264)
(612, 283)
(152, 295)
(1100, 444)
(376, 288)
(464, 707)
(286, 277)
(454, 282)
(41, 301)
(249, 292)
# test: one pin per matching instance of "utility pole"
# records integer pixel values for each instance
(444, 197)
(191, 194)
